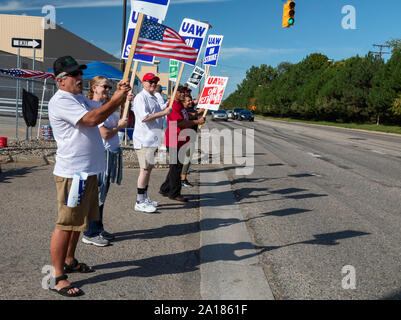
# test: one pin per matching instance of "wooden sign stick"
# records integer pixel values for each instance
(176, 85)
(131, 55)
(205, 112)
(132, 82)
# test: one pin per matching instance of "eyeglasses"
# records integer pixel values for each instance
(152, 81)
(105, 87)
(75, 73)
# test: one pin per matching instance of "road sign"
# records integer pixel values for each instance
(213, 46)
(26, 43)
(193, 32)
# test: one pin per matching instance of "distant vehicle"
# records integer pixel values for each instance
(236, 112)
(220, 115)
(246, 115)
(230, 114)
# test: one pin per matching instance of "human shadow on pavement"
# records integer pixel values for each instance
(174, 263)
(191, 260)
(9, 174)
(177, 229)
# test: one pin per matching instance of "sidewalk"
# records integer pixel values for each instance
(154, 256)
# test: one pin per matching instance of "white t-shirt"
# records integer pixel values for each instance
(79, 148)
(112, 144)
(160, 100)
(146, 134)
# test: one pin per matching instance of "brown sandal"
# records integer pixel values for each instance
(83, 268)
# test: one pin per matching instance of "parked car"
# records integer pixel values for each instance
(236, 112)
(220, 115)
(246, 115)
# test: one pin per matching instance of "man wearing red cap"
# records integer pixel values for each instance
(147, 137)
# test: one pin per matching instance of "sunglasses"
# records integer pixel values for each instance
(75, 73)
(105, 87)
(152, 81)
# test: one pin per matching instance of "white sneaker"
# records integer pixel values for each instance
(145, 207)
(153, 203)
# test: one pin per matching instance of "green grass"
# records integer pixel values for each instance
(371, 127)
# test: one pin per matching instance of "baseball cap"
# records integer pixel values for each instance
(150, 76)
(66, 64)
(181, 89)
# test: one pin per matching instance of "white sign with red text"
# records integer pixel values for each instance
(212, 93)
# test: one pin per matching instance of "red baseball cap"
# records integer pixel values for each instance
(150, 76)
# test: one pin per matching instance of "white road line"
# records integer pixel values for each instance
(314, 155)
(379, 152)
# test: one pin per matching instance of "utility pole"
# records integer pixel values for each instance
(123, 38)
(379, 54)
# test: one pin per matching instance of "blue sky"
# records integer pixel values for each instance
(252, 28)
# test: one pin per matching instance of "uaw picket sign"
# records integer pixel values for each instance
(26, 43)
(173, 70)
(213, 46)
(196, 77)
(130, 35)
(193, 32)
(212, 93)
(153, 8)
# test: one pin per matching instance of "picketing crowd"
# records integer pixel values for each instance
(85, 129)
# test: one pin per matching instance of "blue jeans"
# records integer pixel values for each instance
(113, 172)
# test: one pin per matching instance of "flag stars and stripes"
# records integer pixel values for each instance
(161, 41)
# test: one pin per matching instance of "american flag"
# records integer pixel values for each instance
(28, 74)
(161, 41)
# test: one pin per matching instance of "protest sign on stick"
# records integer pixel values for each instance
(212, 51)
(212, 93)
(196, 77)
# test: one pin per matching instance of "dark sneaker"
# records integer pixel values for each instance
(186, 183)
(107, 236)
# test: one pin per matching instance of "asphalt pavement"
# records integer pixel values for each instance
(323, 206)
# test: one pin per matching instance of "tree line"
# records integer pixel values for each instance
(358, 89)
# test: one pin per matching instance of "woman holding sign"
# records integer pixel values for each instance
(178, 120)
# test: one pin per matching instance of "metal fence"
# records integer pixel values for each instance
(11, 92)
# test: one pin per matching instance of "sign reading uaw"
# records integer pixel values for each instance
(212, 93)
(212, 50)
(193, 32)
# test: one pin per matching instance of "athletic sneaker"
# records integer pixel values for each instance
(98, 240)
(153, 203)
(145, 207)
(186, 183)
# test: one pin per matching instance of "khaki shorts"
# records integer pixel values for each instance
(77, 218)
(146, 157)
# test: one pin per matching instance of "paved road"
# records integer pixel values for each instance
(320, 199)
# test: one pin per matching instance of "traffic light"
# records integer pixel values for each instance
(288, 14)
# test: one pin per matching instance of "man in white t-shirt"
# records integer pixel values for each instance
(74, 119)
(147, 137)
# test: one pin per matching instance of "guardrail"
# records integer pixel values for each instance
(9, 105)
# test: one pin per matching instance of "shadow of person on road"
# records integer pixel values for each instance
(9, 174)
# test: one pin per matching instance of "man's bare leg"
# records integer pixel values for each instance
(58, 249)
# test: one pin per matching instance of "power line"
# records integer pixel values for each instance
(379, 54)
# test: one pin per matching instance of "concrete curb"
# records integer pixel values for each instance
(229, 263)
